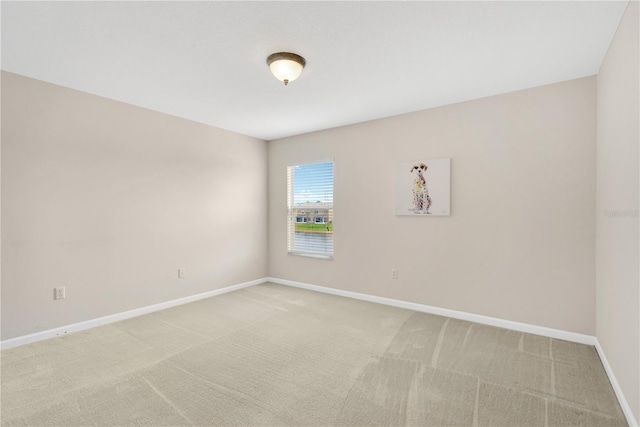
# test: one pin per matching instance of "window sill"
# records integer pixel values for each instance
(311, 255)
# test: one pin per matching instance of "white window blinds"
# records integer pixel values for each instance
(310, 209)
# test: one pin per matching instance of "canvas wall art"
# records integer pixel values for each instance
(423, 187)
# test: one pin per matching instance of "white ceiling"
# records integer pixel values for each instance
(205, 61)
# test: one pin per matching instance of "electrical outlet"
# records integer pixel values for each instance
(59, 293)
(394, 273)
(257, 260)
(181, 273)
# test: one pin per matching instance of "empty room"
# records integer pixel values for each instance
(310, 213)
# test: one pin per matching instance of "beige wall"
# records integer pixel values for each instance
(519, 244)
(617, 254)
(109, 200)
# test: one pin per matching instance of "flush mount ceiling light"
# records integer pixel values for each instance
(286, 66)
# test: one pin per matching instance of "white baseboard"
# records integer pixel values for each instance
(87, 324)
(616, 386)
(485, 320)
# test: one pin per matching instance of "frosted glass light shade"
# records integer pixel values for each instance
(286, 66)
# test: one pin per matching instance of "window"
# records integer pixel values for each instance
(310, 189)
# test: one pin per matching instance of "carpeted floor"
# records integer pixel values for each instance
(275, 355)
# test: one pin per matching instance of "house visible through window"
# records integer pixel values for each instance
(310, 209)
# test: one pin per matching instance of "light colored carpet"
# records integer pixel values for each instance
(275, 355)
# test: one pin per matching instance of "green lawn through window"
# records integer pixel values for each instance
(311, 227)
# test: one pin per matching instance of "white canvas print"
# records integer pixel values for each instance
(423, 187)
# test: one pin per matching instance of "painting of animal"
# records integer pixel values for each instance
(423, 187)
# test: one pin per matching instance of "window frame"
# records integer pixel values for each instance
(291, 216)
